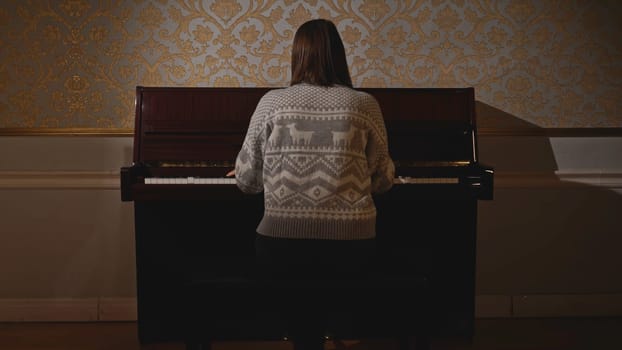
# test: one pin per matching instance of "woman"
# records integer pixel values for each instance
(318, 150)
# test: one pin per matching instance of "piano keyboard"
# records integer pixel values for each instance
(231, 181)
(190, 180)
(426, 180)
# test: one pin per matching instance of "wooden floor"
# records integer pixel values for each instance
(491, 334)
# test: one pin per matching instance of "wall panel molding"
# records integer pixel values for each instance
(550, 132)
(109, 180)
(125, 132)
(558, 179)
(59, 180)
(481, 131)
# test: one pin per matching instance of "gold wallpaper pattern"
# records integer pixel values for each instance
(76, 63)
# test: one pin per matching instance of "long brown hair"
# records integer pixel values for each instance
(318, 55)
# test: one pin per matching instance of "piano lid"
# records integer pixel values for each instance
(180, 124)
(176, 124)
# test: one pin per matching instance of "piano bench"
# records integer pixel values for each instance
(249, 308)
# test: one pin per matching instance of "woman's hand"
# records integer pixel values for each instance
(231, 173)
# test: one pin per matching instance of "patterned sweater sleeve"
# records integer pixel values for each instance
(380, 164)
(249, 162)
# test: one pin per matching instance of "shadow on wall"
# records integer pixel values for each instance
(543, 234)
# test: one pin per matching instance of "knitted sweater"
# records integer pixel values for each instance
(318, 154)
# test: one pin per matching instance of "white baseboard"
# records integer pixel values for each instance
(486, 306)
(48, 310)
(67, 310)
(117, 309)
(549, 305)
(567, 305)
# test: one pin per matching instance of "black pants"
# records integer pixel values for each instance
(312, 261)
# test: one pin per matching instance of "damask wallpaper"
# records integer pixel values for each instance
(75, 63)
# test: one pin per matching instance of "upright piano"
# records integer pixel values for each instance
(192, 223)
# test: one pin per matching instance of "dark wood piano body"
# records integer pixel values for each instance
(184, 234)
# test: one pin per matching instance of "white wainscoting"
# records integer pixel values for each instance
(67, 252)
